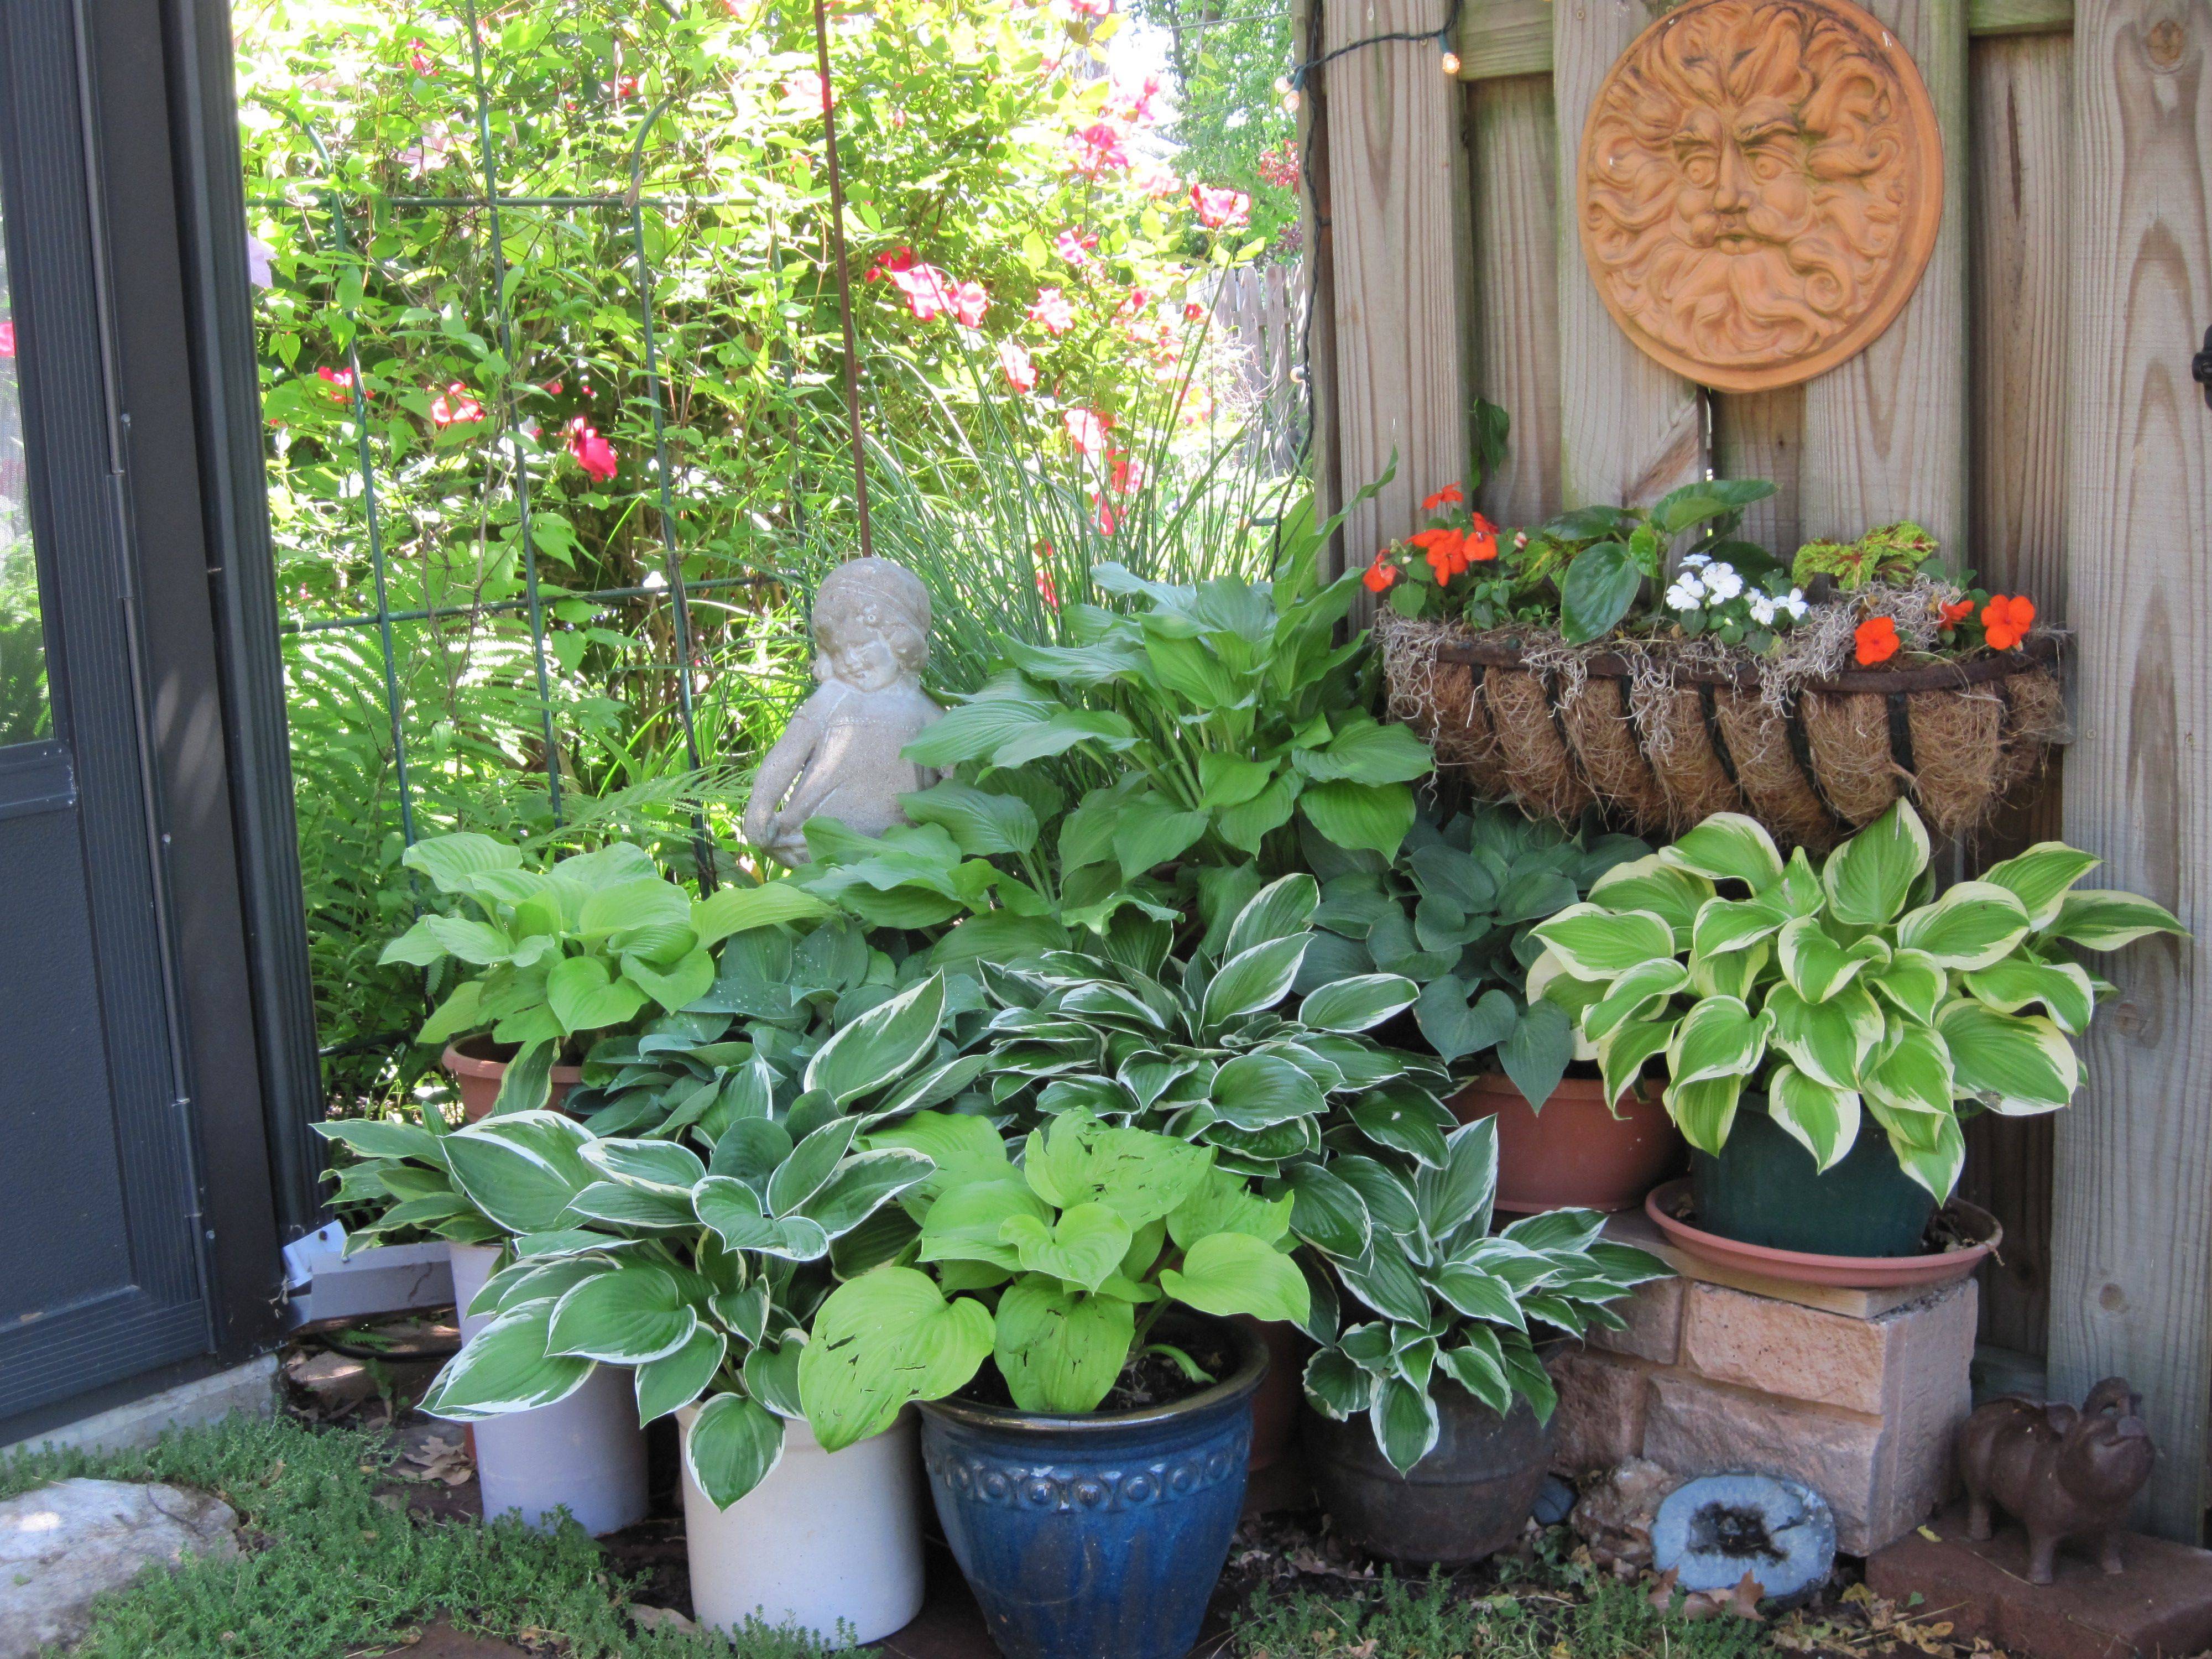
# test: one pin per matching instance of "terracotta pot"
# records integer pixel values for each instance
(1275, 1406)
(1574, 1154)
(1870, 1273)
(478, 1068)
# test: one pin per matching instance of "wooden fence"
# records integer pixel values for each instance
(2033, 404)
(1259, 317)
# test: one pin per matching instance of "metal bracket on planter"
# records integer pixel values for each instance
(322, 1283)
(2200, 369)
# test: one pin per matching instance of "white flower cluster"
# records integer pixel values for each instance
(1706, 583)
(1765, 609)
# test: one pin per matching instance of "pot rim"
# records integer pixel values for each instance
(1807, 1266)
(1580, 1091)
(460, 1062)
(1007, 1420)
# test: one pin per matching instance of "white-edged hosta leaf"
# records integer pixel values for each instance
(1623, 1055)
(1594, 943)
(1815, 965)
(1328, 1213)
(2062, 988)
(521, 1170)
(1830, 1041)
(1870, 876)
(1724, 925)
(2013, 1064)
(675, 1380)
(1911, 980)
(1405, 1423)
(1336, 1388)
(1358, 1004)
(1728, 846)
(1479, 1370)
(662, 1165)
(733, 1210)
(1929, 1148)
(1252, 979)
(626, 1317)
(2100, 919)
(860, 1185)
(1822, 1119)
(2041, 876)
(1651, 884)
(731, 1447)
(1638, 994)
(1279, 910)
(1732, 973)
(1478, 1294)
(1705, 1111)
(1718, 1037)
(1974, 925)
(1914, 1074)
(505, 1368)
(879, 1048)
(1461, 1190)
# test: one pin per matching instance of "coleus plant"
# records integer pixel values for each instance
(1204, 1048)
(1453, 913)
(1057, 1269)
(590, 946)
(1852, 988)
(1457, 1305)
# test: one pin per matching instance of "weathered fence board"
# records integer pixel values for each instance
(1514, 133)
(1886, 432)
(1761, 434)
(1630, 430)
(2132, 1214)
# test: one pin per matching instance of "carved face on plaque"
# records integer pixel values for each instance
(1760, 185)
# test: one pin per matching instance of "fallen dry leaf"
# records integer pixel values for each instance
(663, 1619)
(1743, 1600)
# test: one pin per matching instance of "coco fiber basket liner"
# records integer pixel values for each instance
(1664, 740)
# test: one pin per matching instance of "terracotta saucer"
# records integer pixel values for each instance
(1865, 1273)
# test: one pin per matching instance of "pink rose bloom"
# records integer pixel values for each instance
(1053, 311)
(1077, 10)
(970, 302)
(456, 404)
(340, 380)
(1130, 474)
(1221, 209)
(1086, 430)
(1102, 515)
(1135, 107)
(1075, 246)
(1097, 150)
(1014, 362)
(928, 290)
(418, 55)
(593, 453)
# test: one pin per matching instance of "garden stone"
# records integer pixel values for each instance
(1555, 1500)
(839, 758)
(62, 1545)
(1617, 1510)
(1714, 1529)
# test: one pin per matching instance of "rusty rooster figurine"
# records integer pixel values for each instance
(2062, 1474)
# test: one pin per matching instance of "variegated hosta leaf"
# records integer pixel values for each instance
(1870, 877)
(1929, 1145)
(2062, 988)
(1913, 982)
(1405, 1423)
(2013, 1065)
(1651, 884)
(2102, 919)
(521, 1170)
(1732, 973)
(1830, 1040)
(1725, 925)
(1728, 847)
(1623, 1055)
(1339, 1389)
(1595, 943)
(2041, 876)
(1718, 1037)
(1705, 1111)
(1821, 1118)
(1816, 966)
(1974, 925)
(505, 1368)
(1638, 994)
(1914, 1074)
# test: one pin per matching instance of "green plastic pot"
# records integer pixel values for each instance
(1765, 1189)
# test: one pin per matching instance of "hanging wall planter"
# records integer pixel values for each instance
(584, 1454)
(1576, 1152)
(478, 1068)
(1666, 744)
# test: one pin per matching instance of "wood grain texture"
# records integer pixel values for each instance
(2132, 1216)
(1516, 287)
(1761, 434)
(1630, 430)
(2021, 145)
(1499, 38)
(1398, 196)
(1886, 432)
(2019, 17)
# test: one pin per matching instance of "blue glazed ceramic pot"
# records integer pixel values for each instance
(1097, 1536)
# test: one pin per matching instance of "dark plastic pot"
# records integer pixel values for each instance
(1765, 1189)
(1098, 1536)
(1576, 1154)
(1468, 1498)
(1275, 1406)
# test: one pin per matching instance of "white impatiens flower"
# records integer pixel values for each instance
(1687, 594)
(1762, 610)
(1795, 605)
(1694, 560)
(1721, 583)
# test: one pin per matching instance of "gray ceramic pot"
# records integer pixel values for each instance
(1467, 1499)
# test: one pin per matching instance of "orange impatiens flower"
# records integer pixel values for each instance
(1481, 540)
(1877, 641)
(1952, 615)
(2005, 622)
(1380, 574)
(1446, 549)
(1449, 495)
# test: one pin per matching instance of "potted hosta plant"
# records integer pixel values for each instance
(1790, 1003)
(1111, 1427)
(550, 958)
(699, 1253)
(1428, 1439)
(1452, 912)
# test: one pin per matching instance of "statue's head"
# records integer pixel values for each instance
(872, 621)
(1746, 181)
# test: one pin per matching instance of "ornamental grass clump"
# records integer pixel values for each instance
(1845, 991)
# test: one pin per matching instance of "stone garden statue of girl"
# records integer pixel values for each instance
(839, 758)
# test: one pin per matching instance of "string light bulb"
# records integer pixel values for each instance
(1291, 101)
(1282, 85)
(1451, 64)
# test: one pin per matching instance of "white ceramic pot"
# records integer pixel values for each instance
(829, 1538)
(584, 1454)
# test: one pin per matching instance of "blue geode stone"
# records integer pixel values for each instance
(1716, 1528)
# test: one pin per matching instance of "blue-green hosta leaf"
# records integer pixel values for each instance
(1328, 1213)
(2014, 1064)
(1829, 1041)
(1705, 1111)
(521, 1170)
(675, 1380)
(627, 1318)
(2041, 876)
(881, 1340)
(1728, 846)
(1537, 1051)
(1650, 884)
(1718, 1037)
(1913, 982)
(733, 1210)
(1455, 1027)
(1405, 1423)
(2100, 919)
(1821, 1118)
(1974, 925)
(1058, 1348)
(1083, 1246)
(1594, 943)
(505, 1368)
(1358, 1004)
(880, 1047)
(1870, 876)
(1915, 1074)
(2062, 988)
(1227, 1274)
(1336, 1388)
(730, 1447)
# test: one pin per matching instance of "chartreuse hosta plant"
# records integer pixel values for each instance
(1455, 1304)
(1846, 990)
(1453, 913)
(590, 946)
(1207, 1049)
(1057, 1269)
